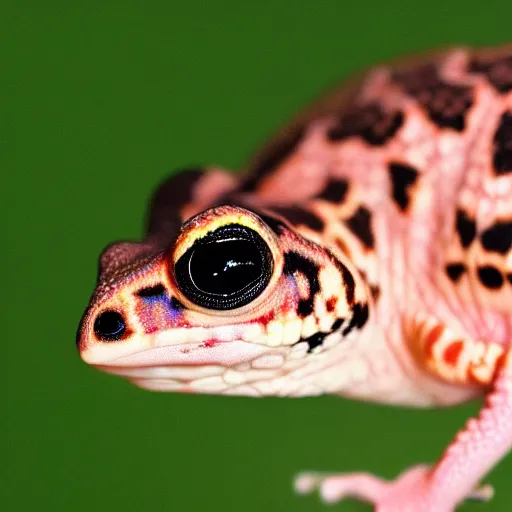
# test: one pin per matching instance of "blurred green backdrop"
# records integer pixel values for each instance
(102, 99)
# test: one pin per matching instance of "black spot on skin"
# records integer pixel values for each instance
(360, 225)
(335, 191)
(337, 324)
(402, 177)
(156, 292)
(498, 238)
(296, 216)
(509, 278)
(166, 203)
(490, 277)
(498, 71)
(315, 340)
(346, 277)
(271, 160)
(375, 292)
(348, 282)
(370, 122)
(445, 104)
(294, 262)
(363, 314)
(349, 327)
(455, 271)
(152, 291)
(502, 158)
(176, 304)
(359, 318)
(466, 228)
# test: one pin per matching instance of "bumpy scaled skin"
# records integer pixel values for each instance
(367, 253)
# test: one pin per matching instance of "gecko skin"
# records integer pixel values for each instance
(367, 253)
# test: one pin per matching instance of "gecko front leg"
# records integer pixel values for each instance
(456, 476)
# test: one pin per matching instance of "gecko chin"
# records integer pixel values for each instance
(210, 366)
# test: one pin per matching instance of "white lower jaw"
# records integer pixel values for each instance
(208, 385)
(234, 373)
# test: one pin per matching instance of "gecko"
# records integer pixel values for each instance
(365, 252)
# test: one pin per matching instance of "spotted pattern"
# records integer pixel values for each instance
(360, 225)
(315, 340)
(370, 122)
(335, 191)
(151, 291)
(498, 71)
(498, 238)
(359, 318)
(402, 178)
(378, 147)
(466, 228)
(375, 292)
(455, 271)
(417, 199)
(502, 158)
(490, 277)
(298, 216)
(348, 280)
(445, 104)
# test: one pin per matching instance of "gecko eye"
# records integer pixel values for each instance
(109, 326)
(226, 269)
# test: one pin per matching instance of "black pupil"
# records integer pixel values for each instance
(225, 267)
(109, 326)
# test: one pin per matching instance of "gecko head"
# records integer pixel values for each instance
(235, 293)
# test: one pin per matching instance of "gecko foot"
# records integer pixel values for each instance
(408, 493)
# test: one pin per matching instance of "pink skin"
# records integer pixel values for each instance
(183, 352)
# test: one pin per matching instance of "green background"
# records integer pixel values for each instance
(99, 101)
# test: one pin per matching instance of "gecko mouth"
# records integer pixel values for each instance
(211, 352)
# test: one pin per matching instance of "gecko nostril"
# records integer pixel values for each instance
(109, 326)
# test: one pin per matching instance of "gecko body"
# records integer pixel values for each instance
(367, 252)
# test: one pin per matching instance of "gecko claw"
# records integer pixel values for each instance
(333, 488)
(483, 493)
(306, 483)
(387, 496)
